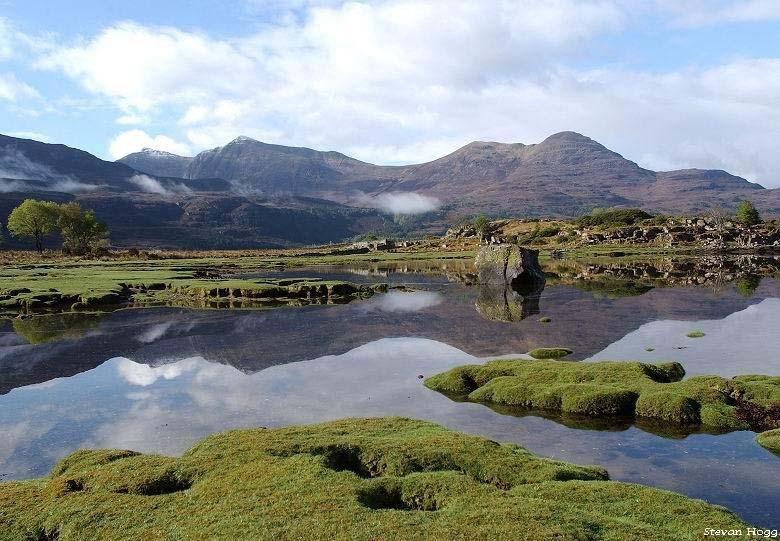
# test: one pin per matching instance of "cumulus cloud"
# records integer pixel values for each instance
(400, 202)
(401, 81)
(131, 141)
(152, 185)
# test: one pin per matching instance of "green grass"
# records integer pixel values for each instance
(696, 334)
(770, 440)
(78, 285)
(549, 353)
(645, 391)
(354, 479)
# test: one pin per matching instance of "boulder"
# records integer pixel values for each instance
(509, 265)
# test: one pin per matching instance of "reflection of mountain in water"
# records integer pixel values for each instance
(253, 340)
(744, 342)
(126, 403)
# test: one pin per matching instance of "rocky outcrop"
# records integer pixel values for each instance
(706, 232)
(509, 265)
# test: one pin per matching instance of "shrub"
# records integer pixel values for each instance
(617, 217)
(747, 214)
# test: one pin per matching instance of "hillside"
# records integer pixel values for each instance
(564, 175)
(253, 194)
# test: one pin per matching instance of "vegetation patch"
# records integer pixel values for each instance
(770, 440)
(649, 392)
(427, 483)
(550, 353)
(696, 334)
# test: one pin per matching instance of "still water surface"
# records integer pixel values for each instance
(159, 379)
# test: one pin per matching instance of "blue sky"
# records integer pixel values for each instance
(667, 83)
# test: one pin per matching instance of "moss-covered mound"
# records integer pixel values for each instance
(770, 440)
(549, 353)
(354, 479)
(647, 391)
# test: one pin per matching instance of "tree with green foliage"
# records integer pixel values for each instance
(81, 232)
(33, 219)
(481, 226)
(747, 213)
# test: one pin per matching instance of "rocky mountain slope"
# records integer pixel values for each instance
(258, 194)
(564, 175)
(148, 210)
(158, 163)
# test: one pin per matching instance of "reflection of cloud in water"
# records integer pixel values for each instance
(155, 332)
(745, 342)
(396, 301)
(189, 399)
(144, 375)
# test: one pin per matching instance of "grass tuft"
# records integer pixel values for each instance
(654, 392)
(550, 353)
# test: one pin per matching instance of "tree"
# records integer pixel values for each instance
(33, 219)
(481, 225)
(747, 213)
(81, 232)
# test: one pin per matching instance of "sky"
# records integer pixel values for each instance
(667, 83)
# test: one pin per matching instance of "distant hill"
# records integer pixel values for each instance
(567, 174)
(147, 210)
(251, 194)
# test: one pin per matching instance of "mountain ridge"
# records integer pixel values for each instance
(245, 188)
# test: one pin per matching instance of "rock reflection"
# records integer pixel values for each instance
(506, 304)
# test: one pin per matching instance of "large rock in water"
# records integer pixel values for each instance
(510, 265)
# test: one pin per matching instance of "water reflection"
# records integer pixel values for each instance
(127, 404)
(745, 342)
(506, 304)
(176, 375)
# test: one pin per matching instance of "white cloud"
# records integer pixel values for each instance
(6, 39)
(12, 89)
(31, 135)
(401, 81)
(708, 12)
(131, 141)
(152, 185)
(400, 202)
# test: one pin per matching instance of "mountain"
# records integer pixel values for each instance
(147, 210)
(254, 194)
(565, 175)
(158, 163)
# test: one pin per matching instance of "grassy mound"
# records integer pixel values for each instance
(354, 479)
(696, 334)
(647, 391)
(549, 353)
(770, 440)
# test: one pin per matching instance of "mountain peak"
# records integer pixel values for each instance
(568, 137)
(242, 139)
(154, 152)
